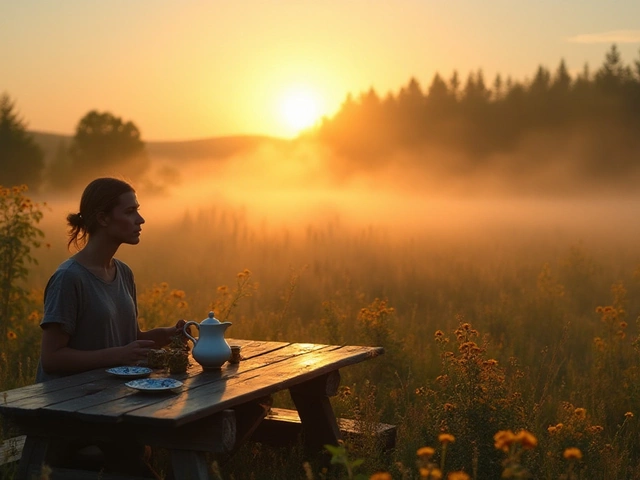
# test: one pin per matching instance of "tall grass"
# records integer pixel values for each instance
(501, 330)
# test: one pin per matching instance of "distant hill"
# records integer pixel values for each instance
(178, 151)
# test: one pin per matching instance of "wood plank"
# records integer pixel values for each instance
(216, 433)
(319, 423)
(111, 405)
(189, 465)
(282, 426)
(11, 449)
(37, 390)
(257, 383)
(34, 453)
(129, 405)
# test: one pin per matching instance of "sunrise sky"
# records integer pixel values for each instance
(191, 69)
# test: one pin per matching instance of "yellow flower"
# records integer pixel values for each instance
(380, 476)
(628, 415)
(425, 452)
(439, 333)
(581, 413)
(594, 429)
(449, 407)
(526, 439)
(504, 439)
(11, 335)
(572, 454)
(434, 474)
(458, 476)
(446, 438)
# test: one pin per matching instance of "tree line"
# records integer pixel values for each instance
(602, 109)
(482, 121)
(103, 144)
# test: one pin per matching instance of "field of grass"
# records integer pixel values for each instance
(521, 327)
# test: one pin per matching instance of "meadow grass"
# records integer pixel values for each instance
(520, 347)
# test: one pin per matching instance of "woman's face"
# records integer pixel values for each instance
(124, 223)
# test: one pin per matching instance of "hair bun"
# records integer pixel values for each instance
(75, 220)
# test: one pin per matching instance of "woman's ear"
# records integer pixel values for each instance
(103, 219)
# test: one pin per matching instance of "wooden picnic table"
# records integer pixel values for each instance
(213, 411)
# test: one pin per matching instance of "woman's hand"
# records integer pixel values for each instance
(136, 351)
(162, 336)
(180, 327)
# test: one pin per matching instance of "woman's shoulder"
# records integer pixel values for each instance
(123, 268)
(68, 271)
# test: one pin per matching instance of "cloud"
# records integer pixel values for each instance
(615, 36)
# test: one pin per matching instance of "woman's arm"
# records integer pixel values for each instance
(58, 357)
(162, 335)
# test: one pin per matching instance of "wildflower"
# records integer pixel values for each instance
(448, 407)
(580, 413)
(381, 476)
(491, 362)
(551, 429)
(11, 335)
(244, 273)
(178, 294)
(572, 454)
(504, 439)
(439, 333)
(182, 304)
(431, 473)
(623, 324)
(628, 415)
(595, 429)
(425, 452)
(458, 476)
(446, 438)
(526, 439)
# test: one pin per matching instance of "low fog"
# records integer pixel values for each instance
(295, 184)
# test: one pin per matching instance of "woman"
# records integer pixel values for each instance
(90, 309)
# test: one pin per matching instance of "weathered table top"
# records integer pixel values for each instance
(96, 404)
(266, 368)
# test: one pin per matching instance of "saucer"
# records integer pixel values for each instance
(154, 384)
(129, 372)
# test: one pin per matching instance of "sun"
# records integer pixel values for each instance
(299, 109)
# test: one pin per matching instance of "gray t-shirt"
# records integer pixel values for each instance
(95, 313)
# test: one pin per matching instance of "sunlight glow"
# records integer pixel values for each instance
(299, 109)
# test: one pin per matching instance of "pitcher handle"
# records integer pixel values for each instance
(185, 329)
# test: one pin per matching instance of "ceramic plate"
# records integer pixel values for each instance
(154, 384)
(130, 372)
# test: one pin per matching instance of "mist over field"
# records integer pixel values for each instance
(277, 207)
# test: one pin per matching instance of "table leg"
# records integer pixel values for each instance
(319, 424)
(34, 455)
(248, 418)
(189, 465)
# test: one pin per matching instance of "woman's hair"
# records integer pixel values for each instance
(100, 196)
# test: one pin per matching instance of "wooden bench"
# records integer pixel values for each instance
(11, 449)
(282, 426)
